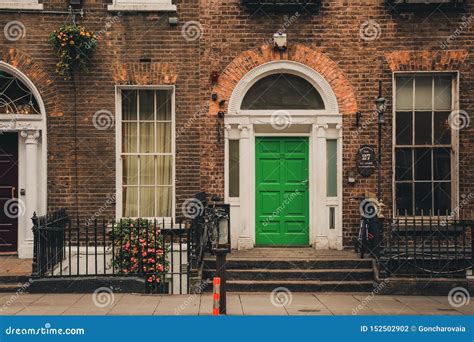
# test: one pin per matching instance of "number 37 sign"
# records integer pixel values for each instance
(366, 160)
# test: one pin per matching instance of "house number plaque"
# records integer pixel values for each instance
(366, 160)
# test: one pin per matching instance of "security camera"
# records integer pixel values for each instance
(280, 41)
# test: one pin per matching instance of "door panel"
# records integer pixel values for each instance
(8, 191)
(282, 196)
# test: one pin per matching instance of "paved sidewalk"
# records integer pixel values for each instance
(238, 304)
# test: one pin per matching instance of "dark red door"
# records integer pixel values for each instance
(9, 206)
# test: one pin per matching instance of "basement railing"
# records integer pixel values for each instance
(433, 246)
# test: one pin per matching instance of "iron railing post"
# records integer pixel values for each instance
(35, 267)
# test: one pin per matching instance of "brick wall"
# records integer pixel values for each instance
(228, 32)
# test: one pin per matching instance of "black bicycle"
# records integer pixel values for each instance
(365, 237)
(213, 216)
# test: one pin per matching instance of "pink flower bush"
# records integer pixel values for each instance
(140, 249)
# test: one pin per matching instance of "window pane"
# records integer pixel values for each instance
(331, 155)
(404, 129)
(130, 170)
(442, 130)
(423, 128)
(147, 137)
(423, 198)
(147, 103)
(164, 170)
(442, 164)
(129, 137)
(442, 198)
(147, 201)
(234, 168)
(163, 141)
(443, 92)
(130, 201)
(163, 105)
(164, 202)
(403, 164)
(147, 170)
(422, 164)
(129, 104)
(282, 91)
(404, 97)
(423, 92)
(404, 198)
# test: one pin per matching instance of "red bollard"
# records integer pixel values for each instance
(216, 296)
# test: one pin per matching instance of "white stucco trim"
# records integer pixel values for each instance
(32, 148)
(21, 5)
(142, 6)
(289, 67)
(317, 125)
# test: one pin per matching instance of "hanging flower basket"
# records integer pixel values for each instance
(74, 47)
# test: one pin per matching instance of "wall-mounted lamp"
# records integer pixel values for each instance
(280, 41)
(358, 117)
(214, 77)
(351, 178)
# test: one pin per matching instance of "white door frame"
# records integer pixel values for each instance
(318, 125)
(32, 163)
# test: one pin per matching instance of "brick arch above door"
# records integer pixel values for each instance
(316, 60)
(37, 74)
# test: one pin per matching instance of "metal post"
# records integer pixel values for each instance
(35, 229)
(221, 255)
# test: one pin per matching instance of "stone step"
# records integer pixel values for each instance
(295, 274)
(12, 287)
(8, 279)
(298, 286)
(210, 263)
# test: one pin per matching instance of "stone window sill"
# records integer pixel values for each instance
(142, 7)
(34, 5)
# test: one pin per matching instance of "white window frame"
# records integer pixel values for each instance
(118, 147)
(454, 139)
(142, 6)
(21, 4)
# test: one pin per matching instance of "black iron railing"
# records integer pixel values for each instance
(302, 6)
(156, 250)
(433, 246)
(425, 5)
(49, 241)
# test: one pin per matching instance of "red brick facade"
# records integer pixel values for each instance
(143, 49)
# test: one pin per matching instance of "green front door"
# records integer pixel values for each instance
(282, 209)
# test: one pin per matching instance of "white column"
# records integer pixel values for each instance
(227, 129)
(320, 168)
(339, 188)
(245, 238)
(32, 186)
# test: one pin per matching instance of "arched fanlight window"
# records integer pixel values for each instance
(16, 97)
(282, 91)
